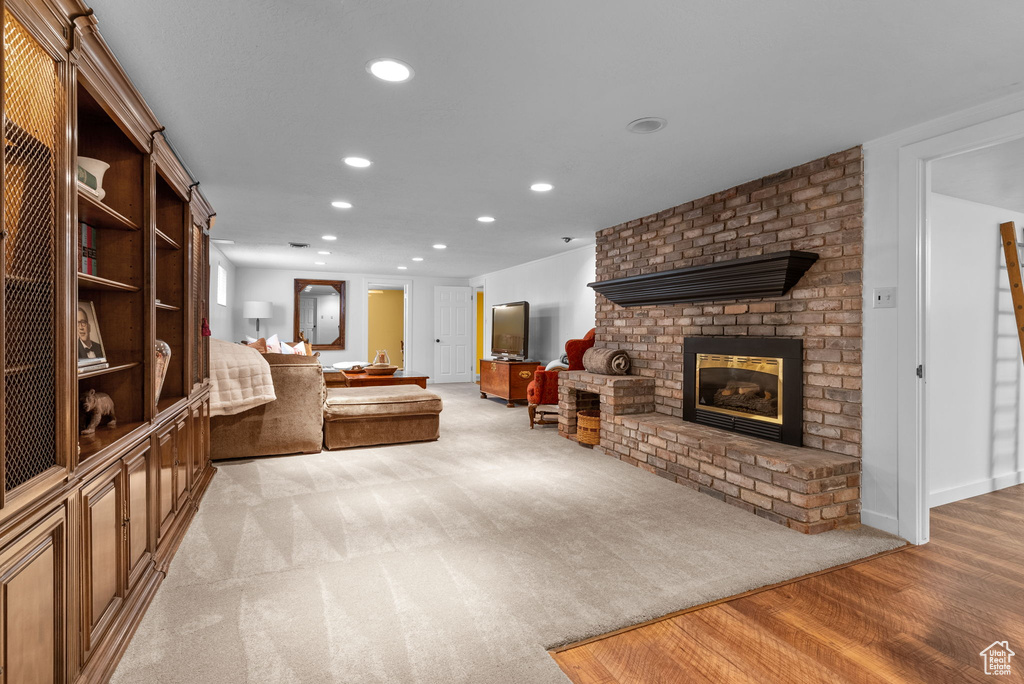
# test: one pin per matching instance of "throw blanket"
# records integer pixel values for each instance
(240, 378)
(606, 361)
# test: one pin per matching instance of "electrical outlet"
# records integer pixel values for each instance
(883, 298)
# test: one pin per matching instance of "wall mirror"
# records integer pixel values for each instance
(320, 312)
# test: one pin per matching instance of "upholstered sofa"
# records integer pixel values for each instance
(292, 424)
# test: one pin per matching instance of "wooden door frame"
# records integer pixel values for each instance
(912, 345)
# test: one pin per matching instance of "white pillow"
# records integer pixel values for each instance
(285, 349)
(300, 349)
(557, 363)
(273, 344)
(250, 340)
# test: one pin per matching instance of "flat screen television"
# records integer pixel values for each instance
(510, 330)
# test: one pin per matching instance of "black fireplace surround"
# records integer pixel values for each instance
(742, 398)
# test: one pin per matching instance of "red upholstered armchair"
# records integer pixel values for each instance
(542, 392)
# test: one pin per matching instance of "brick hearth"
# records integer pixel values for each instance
(818, 207)
(809, 490)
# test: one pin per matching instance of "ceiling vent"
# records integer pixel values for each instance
(648, 124)
(298, 245)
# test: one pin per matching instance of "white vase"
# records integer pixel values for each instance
(96, 168)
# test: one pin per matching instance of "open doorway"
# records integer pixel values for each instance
(973, 395)
(386, 322)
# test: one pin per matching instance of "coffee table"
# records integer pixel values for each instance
(349, 379)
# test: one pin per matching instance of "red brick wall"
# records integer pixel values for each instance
(817, 207)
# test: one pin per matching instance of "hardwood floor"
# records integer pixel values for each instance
(920, 614)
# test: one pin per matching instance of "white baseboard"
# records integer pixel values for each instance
(966, 491)
(880, 521)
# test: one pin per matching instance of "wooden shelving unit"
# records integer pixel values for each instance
(99, 215)
(117, 291)
(91, 282)
(86, 374)
(84, 575)
(93, 444)
(163, 241)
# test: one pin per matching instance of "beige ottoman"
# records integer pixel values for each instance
(364, 416)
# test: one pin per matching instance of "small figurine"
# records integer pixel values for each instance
(97, 405)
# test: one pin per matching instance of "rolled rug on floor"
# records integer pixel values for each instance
(606, 361)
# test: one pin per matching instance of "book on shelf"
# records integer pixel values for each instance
(89, 367)
(88, 180)
(92, 192)
(86, 249)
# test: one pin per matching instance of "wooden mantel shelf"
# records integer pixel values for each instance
(768, 275)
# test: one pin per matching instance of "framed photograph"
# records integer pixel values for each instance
(89, 341)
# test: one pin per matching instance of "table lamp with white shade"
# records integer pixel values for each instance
(257, 310)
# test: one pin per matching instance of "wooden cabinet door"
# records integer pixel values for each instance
(200, 433)
(520, 376)
(166, 455)
(33, 590)
(104, 531)
(183, 462)
(139, 546)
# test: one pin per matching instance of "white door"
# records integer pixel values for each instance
(307, 318)
(453, 336)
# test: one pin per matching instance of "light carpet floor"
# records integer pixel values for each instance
(456, 561)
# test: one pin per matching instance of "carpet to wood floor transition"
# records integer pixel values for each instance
(460, 560)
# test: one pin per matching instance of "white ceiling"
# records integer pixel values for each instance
(992, 175)
(263, 99)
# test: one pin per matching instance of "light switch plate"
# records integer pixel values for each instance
(883, 298)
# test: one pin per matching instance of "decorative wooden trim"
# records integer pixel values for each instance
(103, 75)
(339, 285)
(170, 167)
(769, 275)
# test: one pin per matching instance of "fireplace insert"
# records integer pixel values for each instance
(749, 385)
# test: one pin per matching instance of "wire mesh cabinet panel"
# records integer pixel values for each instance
(34, 104)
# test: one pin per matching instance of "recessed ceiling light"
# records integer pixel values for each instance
(222, 241)
(417, 258)
(330, 237)
(402, 268)
(541, 187)
(648, 124)
(319, 263)
(341, 205)
(391, 70)
(358, 162)
(324, 252)
(486, 219)
(440, 246)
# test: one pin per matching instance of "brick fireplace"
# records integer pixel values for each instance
(815, 207)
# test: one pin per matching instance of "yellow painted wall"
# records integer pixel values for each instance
(479, 325)
(387, 325)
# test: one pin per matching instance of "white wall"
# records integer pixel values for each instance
(277, 286)
(222, 318)
(561, 304)
(975, 408)
(889, 474)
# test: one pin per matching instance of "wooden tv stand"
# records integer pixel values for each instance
(506, 379)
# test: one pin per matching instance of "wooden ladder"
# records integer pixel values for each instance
(1009, 235)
